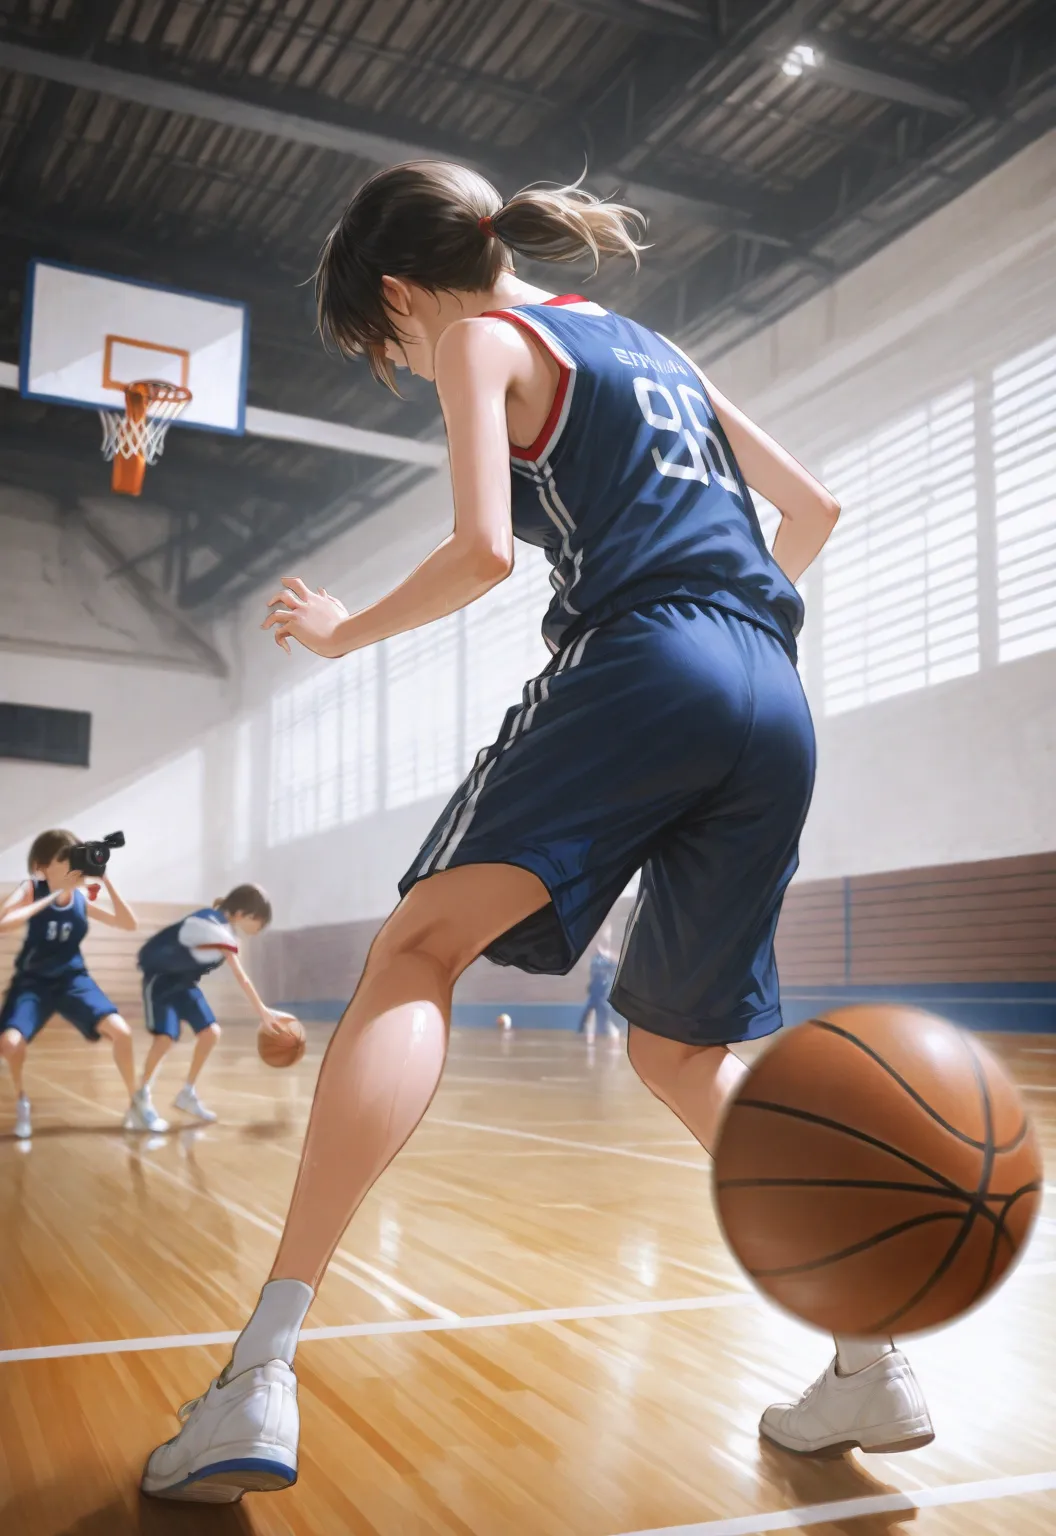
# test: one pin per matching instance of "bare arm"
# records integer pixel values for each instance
(121, 917)
(475, 367)
(265, 1014)
(18, 897)
(808, 511)
(22, 908)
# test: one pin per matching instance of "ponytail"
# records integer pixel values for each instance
(445, 227)
(567, 223)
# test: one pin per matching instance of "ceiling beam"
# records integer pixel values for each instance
(313, 433)
(358, 135)
(858, 69)
(660, 18)
(152, 600)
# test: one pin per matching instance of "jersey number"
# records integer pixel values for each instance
(706, 458)
(54, 931)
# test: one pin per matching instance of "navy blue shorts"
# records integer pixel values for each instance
(31, 1001)
(164, 1007)
(674, 739)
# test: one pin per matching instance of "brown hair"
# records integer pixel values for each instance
(47, 846)
(446, 228)
(246, 900)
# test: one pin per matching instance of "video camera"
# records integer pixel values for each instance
(92, 858)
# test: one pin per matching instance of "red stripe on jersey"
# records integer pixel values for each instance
(553, 416)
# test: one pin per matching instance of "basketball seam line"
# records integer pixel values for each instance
(885, 1066)
(862, 1247)
(863, 1136)
(973, 1211)
(888, 1184)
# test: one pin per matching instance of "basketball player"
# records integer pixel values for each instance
(51, 976)
(173, 963)
(602, 974)
(630, 471)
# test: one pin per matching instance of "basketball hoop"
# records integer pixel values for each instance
(135, 437)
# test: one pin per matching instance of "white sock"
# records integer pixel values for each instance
(272, 1331)
(858, 1354)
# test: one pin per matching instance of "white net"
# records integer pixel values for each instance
(139, 431)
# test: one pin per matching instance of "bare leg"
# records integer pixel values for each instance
(203, 1049)
(384, 1062)
(160, 1046)
(13, 1050)
(118, 1033)
(697, 1082)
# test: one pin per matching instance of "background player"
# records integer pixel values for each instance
(173, 963)
(602, 975)
(50, 975)
(629, 469)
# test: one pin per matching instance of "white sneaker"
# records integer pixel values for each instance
(879, 1409)
(188, 1101)
(241, 1437)
(142, 1116)
(23, 1122)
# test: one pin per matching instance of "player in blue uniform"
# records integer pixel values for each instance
(668, 733)
(173, 963)
(50, 974)
(598, 1012)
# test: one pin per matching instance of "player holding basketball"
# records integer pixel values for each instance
(630, 471)
(173, 963)
(50, 973)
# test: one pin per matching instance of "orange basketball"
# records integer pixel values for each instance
(877, 1172)
(282, 1043)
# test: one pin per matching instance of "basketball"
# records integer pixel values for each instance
(877, 1172)
(281, 1044)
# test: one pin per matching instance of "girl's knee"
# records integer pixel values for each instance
(12, 1043)
(114, 1027)
(211, 1032)
(656, 1059)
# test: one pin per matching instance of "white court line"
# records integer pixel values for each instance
(274, 1229)
(869, 1504)
(562, 1141)
(404, 1325)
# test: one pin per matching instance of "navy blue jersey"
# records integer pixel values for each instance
(53, 937)
(188, 950)
(631, 488)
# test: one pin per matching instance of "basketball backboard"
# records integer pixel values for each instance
(86, 335)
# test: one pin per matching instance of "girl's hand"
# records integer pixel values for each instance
(272, 1017)
(72, 880)
(311, 618)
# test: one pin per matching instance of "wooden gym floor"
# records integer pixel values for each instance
(532, 1327)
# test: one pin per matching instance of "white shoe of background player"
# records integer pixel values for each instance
(142, 1116)
(240, 1437)
(880, 1408)
(188, 1101)
(23, 1121)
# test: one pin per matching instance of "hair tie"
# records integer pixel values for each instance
(486, 227)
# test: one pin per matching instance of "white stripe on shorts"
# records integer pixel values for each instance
(458, 824)
(148, 1002)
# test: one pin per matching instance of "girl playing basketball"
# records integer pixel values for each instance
(51, 976)
(173, 963)
(630, 471)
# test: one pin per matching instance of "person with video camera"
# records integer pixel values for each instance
(50, 975)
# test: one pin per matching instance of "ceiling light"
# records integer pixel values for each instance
(802, 57)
